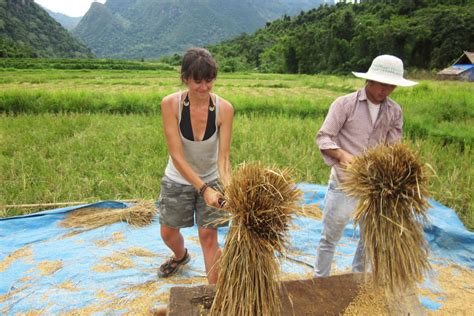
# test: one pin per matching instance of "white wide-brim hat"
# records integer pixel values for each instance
(386, 69)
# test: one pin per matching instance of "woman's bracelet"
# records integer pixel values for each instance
(203, 189)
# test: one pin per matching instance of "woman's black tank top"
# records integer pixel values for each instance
(185, 123)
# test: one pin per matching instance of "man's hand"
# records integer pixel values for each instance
(345, 158)
(341, 155)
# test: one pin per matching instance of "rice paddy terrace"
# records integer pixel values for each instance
(94, 132)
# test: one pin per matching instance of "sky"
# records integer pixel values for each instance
(72, 8)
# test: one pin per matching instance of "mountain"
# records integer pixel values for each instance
(153, 28)
(426, 34)
(68, 22)
(26, 30)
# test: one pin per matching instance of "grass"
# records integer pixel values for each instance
(88, 135)
(442, 111)
(60, 63)
(449, 104)
(51, 158)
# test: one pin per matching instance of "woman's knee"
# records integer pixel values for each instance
(168, 233)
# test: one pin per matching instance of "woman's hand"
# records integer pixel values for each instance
(213, 198)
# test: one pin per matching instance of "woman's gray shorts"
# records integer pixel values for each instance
(180, 203)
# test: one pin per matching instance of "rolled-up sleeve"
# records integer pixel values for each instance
(394, 134)
(326, 138)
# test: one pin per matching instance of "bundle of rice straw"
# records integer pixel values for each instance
(391, 185)
(138, 215)
(261, 201)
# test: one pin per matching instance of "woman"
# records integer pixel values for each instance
(198, 128)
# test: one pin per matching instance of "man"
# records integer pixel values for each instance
(355, 122)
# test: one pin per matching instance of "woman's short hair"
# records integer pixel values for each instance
(198, 64)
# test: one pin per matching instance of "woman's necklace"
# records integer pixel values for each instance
(212, 107)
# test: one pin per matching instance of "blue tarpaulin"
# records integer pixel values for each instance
(50, 269)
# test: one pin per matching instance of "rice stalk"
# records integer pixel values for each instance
(310, 211)
(391, 185)
(138, 215)
(49, 267)
(261, 202)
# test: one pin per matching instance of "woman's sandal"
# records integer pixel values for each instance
(171, 266)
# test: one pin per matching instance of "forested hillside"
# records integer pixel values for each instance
(426, 34)
(26, 30)
(135, 29)
(66, 21)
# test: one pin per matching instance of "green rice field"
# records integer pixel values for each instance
(90, 134)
